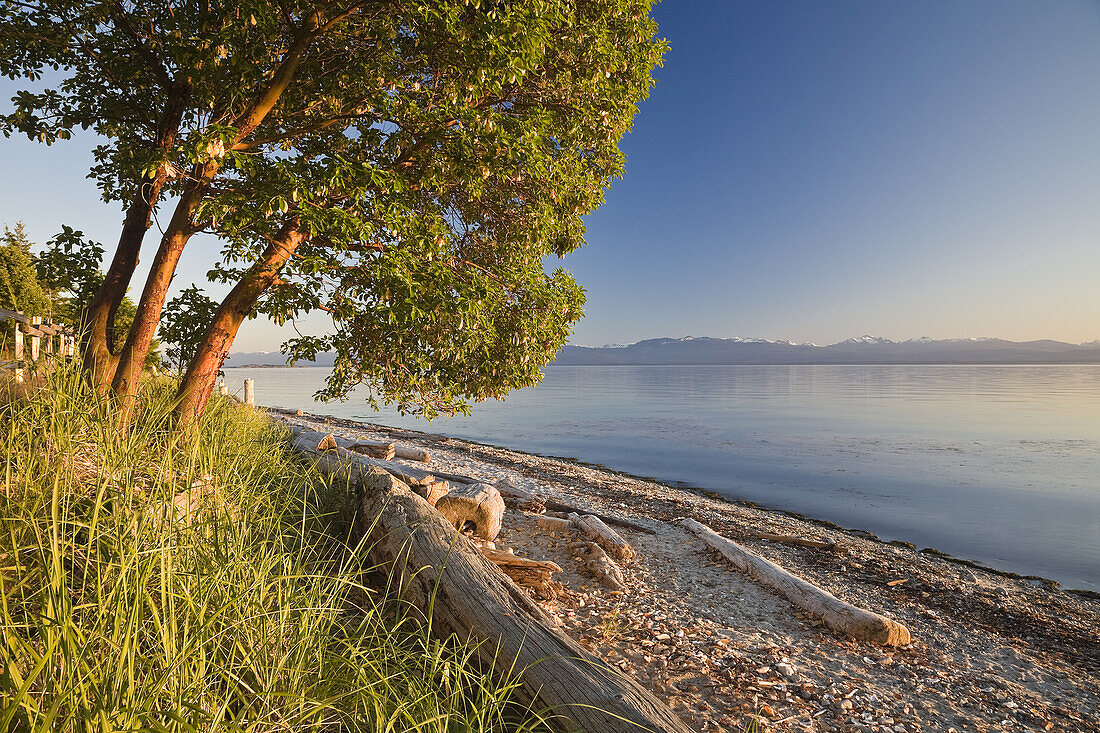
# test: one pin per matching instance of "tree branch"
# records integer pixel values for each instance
(151, 61)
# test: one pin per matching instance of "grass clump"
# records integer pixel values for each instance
(153, 583)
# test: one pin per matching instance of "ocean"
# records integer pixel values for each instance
(995, 464)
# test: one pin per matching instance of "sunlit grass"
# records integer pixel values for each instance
(150, 583)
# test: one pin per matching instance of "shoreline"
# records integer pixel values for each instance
(1050, 583)
(990, 651)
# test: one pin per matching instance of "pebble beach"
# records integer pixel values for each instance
(989, 651)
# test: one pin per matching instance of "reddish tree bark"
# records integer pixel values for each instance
(131, 360)
(99, 320)
(198, 380)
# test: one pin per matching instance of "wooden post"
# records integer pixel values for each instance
(49, 338)
(223, 390)
(17, 351)
(249, 393)
(35, 340)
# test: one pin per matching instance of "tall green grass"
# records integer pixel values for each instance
(242, 610)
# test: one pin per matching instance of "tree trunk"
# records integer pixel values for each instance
(98, 322)
(131, 359)
(202, 372)
(127, 376)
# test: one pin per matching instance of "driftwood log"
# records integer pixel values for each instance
(479, 505)
(512, 492)
(381, 451)
(394, 450)
(603, 535)
(523, 571)
(438, 569)
(862, 624)
(786, 539)
(553, 524)
(599, 564)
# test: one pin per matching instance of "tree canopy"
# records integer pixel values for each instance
(69, 270)
(406, 167)
(183, 323)
(19, 286)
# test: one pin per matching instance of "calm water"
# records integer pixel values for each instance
(999, 464)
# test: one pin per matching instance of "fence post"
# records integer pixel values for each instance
(35, 340)
(249, 393)
(223, 390)
(49, 337)
(17, 351)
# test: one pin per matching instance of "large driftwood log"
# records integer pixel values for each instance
(603, 535)
(844, 617)
(439, 569)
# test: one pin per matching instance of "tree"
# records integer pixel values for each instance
(19, 286)
(183, 324)
(451, 141)
(69, 270)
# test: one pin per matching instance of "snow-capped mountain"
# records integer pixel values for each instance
(862, 350)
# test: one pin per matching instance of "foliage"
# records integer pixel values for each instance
(242, 611)
(183, 323)
(19, 286)
(68, 268)
(434, 153)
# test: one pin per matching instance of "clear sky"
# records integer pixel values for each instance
(807, 171)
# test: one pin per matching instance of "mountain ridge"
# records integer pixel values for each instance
(703, 350)
(860, 350)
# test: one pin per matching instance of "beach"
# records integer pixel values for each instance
(989, 650)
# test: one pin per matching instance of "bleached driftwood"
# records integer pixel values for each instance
(599, 564)
(476, 504)
(523, 571)
(441, 572)
(431, 492)
(392, 450)
(844, 617)
(553, 524)
(603, 535)
(514, 492)
(413, 454)
(407, 474)
(381, 451)
(786, 539)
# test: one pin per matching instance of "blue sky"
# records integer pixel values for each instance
(807, 171)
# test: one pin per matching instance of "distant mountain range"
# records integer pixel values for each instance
(863, 350)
